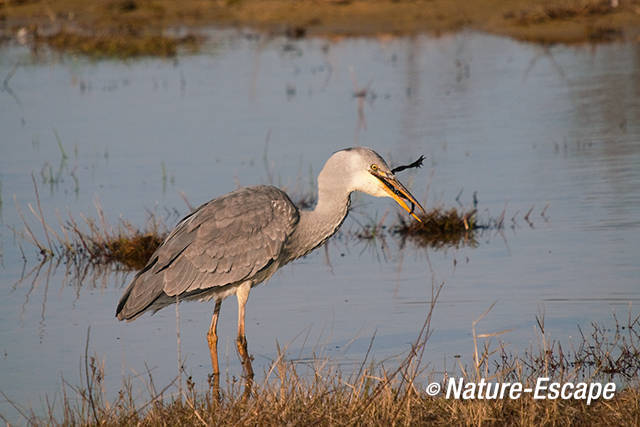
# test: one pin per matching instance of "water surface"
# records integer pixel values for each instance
(523, 126)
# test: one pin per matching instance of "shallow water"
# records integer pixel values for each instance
(521, 125)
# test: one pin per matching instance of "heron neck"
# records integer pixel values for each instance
(317, 225)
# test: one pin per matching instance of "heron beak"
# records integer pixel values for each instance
(399, 193)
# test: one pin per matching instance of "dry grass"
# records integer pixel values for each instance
(373, 393)
(605, 352)
(439, 228)
(96, 243)
(121, 45)
(95, 28)
(93, 242)
(132, 249)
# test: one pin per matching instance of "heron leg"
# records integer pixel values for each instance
(243, 295)
(212, 339)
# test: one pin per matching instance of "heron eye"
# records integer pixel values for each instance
(374, 167)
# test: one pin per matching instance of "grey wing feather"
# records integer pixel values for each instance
(225, 241)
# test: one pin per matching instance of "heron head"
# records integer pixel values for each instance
(369, 173)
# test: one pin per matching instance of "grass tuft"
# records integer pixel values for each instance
(95, 244)
(117, 45)
(439, 228)
(438, 225)
(132, 250)
(93, 241)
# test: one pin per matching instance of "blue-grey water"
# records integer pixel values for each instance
(556, 129)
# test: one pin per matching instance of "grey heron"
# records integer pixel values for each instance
(236, 241)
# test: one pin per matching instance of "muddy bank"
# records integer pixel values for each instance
(139, 21)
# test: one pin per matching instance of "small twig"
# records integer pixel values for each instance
(155, 397)
(265, 157)
(186, 201)
(151, 386)
(36, 242)
(103, 220)
(80, 234)
(457, 199)
(44, 225)
(89, 382)
(7, 88)
(526, 217)
(500, 220)
(366, 356)
(475, 339)
(466, 217)
(67, 240)
(17, 407)
(59, 140)
(180, 367)
(196, 413)
(543, 214)
(12, 71)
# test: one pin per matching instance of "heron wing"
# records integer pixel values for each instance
(225, 241)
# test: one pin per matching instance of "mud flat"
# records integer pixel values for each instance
(147, 27)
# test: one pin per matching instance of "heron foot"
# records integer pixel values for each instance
(212, 340)
(214, 384)
(241, 343)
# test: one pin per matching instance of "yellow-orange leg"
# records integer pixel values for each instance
(212, 339)
(241, 342)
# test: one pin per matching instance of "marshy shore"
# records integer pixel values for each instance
(159, 27)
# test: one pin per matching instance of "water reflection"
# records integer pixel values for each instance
(383, 245)
(78, 276)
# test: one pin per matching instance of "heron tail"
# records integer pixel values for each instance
(142, 293)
